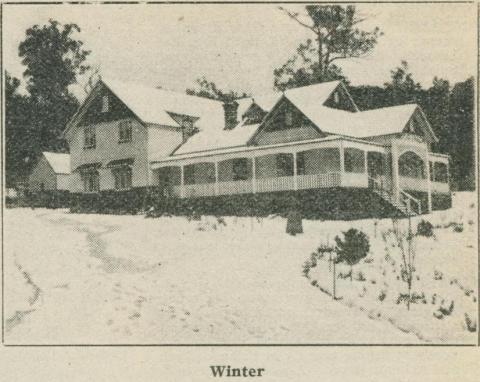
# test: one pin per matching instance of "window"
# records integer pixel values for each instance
(187, 124)
(123, 178)
(288, 118)
(89, 138)
(336, 97)
(354, 160)
(91, 181)
(105, 104)
(125, 132)
(241, 170)
(410, 165)
(188, 129)
(284, 164)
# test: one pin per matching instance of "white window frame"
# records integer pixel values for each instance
(91, 181)
(89, 138)
(125, 131)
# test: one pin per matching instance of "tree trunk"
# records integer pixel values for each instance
(320, 55)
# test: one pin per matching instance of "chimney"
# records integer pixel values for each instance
(230, 109)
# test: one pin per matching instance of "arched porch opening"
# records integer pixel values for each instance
(410, 165)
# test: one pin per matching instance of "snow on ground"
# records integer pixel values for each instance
(90, 279)
(445, 278)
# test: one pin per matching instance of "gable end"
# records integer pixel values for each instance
(285, 123)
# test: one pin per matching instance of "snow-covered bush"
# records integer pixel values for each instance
(425, 228)
(352, 248)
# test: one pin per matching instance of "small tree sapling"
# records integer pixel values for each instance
(354, 247)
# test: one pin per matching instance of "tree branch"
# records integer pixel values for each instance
(294, 16)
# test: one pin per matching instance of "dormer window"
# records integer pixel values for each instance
(187, 124)
(125, 132)
(105, 104)
(336, 98)
(188, 129)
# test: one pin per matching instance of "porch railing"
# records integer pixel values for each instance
(407, 203)
(196, 190)
(412, 204)
(279, 183)
(235, 187)
(331, 179)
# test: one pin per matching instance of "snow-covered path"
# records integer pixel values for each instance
(126, 279)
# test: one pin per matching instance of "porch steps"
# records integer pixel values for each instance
(407, 205)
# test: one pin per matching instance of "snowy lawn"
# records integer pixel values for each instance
(444, 284)
(90, 279)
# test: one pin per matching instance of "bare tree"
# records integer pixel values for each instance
(404, 241)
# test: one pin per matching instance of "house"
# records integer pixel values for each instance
(50, 173)
(310, 140)
(121, 127)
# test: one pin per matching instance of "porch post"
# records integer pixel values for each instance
(429, 184)
(395, 180)
(216, 178)
(254, 175)
(342, 162)
(182, 182)
(295, 178)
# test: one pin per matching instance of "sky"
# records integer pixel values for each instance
(239, 46)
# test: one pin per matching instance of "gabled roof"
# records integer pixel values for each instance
(266, 102)
(384, 121)
(238, 136)
(311, 96)
(307, 99)
(60, 163)
(155, 106)
(310, 101)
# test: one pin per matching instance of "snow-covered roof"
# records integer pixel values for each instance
(153, 105)
(311, 96)
(266, 102)
(387, 120)
(384, 121)
(239, 136)
(309, 100)
(60, 163)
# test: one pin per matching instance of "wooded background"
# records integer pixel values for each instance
(54, 58)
